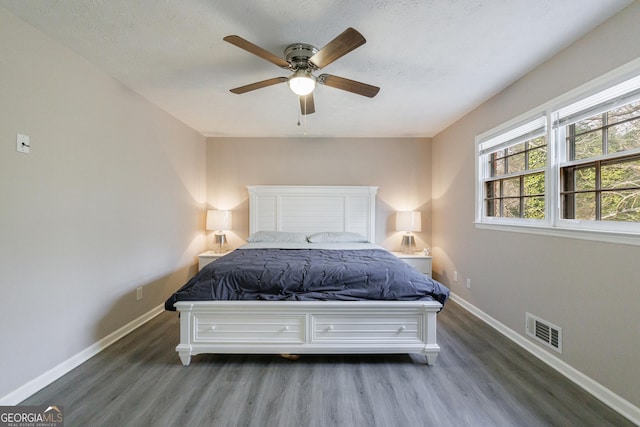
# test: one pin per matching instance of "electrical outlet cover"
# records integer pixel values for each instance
(22, 144)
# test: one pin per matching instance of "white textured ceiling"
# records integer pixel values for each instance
(434, 60)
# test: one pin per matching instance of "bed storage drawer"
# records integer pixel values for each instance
(376, 328)
(247, 328)
(307, 327)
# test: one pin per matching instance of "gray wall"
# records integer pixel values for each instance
(400, 167)
(110, 198)
(590, 289)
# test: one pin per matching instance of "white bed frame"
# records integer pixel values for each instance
(309, 327)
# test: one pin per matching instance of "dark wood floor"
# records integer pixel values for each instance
(480, 379)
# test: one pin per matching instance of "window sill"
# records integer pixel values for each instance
(621, 238)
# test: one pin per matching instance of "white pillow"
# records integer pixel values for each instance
(277, 237)
(337, 237)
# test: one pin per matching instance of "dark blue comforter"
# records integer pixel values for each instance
(309, 274)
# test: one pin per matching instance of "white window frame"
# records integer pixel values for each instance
(621, 79)
(512, 134)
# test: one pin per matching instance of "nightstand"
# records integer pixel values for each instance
(417, 260)
(206, 257)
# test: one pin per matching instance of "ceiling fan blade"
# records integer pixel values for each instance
(348, 85)
(338, 47)
(256, 50)
(259, 85)
(306, 104)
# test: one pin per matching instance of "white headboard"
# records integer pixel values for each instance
(313, 209)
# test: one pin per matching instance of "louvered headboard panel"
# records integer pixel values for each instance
(313, 209)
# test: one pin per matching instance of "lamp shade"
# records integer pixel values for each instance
(218, 220)
(408, 221)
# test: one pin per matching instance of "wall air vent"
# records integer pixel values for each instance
(544, 332)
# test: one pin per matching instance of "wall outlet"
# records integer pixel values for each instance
(139, 293)
(468, 283)
(455, 276)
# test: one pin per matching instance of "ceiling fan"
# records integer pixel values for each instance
(302, 59)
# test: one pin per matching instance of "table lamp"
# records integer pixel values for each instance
(220, 221)
(408, 221)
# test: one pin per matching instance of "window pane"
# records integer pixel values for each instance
(516, 163)
(621, 206)
(624, 136)
(589, 124)
(534, 184)
(624, 113)
(621, 175)
(538, 158)
(512, 208)
(585, 179)
(588, 145)
(493, 189)
(537, 142)
(493, 207)
(511, 187)
(534, 207)
(585, 206)
(497, 165)
(517, 148)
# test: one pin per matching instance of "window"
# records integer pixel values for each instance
(571, 166)
(515, 187)
(514, 164)
(602, 182)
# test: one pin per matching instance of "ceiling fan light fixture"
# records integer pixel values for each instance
(302, 82)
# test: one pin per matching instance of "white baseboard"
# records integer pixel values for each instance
(33, 386)
(615, 402)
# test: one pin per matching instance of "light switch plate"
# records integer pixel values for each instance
(23, 144)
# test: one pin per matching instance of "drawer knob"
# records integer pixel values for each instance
(402, 328)
(213, 328)
(285, 329)
(329, 328)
